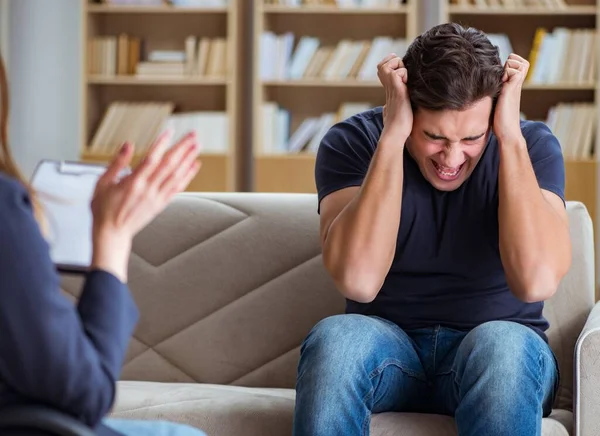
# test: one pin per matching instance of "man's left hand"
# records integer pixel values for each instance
(507, 118)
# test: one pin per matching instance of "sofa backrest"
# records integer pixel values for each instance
(228, 286)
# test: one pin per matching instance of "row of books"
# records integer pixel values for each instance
(574, 125)
(483, 4)
(121, 55)
(306, 137)
(141, 122)
(338, 3)
(349, 59)
(563, 56)
(174, 3)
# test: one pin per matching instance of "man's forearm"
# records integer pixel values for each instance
(360, 244)
(534, 240)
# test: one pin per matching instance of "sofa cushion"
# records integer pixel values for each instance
(230, 410)
(216, 409)
(415, 424)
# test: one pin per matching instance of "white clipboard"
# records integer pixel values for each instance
(65, 191)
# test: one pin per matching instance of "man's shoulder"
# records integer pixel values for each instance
(534, 130)
(370, 120)
(358, 131)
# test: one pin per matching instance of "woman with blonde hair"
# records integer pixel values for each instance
(67, 357)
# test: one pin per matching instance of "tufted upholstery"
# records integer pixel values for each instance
(229, 285)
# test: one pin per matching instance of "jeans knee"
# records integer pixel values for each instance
(506, 351)
(337, 342)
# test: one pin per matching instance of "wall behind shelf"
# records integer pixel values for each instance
(44, 76)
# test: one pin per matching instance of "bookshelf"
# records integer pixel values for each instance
(299, 88)
(569, 82)
(179, 65)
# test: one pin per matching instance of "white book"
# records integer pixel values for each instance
(325, 123)
(268, 56)
(303, 134)
(381, 45)
(556, 61)
(270, 110)
(306, 49)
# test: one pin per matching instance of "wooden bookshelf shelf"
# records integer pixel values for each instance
(112, 9)
(530, 10)
(104, 157)
(175, 67)
(285, 173)
(133, 80)
(276, 9)
(559, 86)
(210, 178)
(316, 83)
(287, 156)
(334, 69)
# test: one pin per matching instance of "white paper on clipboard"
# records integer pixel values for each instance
(65, 190)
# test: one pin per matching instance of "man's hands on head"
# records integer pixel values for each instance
(507, 118)
(397, 112)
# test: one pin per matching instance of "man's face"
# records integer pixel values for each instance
(447, 145)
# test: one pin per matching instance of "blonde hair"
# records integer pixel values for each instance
(7, 162)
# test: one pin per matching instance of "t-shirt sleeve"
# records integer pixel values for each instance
(344, 156)
(547, 158)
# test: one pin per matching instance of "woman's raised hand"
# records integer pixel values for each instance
(121, 207)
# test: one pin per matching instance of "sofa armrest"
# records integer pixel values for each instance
(587, 377)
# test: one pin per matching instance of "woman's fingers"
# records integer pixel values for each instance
(185, 180)
(177, 180)
(173, 159)
(118, 164)
(154, 156)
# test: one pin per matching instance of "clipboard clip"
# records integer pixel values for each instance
(79, 168)
(85, 169)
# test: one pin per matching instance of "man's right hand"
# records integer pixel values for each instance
(397, 112)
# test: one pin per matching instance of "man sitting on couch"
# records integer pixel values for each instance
(443, 223)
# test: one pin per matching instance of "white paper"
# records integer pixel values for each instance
(65, 191)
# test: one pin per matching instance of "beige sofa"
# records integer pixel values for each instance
(229, 285)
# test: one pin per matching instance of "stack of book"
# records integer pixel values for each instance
(133, 2)
(140, 123)
(338, 3)
(574, 125)
(563, 56)
(311, 59)
(174, 3)
(199, 3)
(485, 4)
(120, 55)
(277, 138)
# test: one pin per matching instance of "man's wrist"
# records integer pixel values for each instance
(393, 137)
(512, 141)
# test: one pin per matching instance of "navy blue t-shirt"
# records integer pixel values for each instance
(447, 268)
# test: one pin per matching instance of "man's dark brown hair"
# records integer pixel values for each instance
(451, 67)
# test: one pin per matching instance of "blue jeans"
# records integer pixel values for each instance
(498, 379)
(151, 428)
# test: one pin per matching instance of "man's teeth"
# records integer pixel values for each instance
(447, 171)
